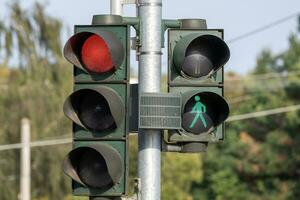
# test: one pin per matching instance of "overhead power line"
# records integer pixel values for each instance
(230, 119)
(232, 85)
(265, 76)
(263, 28)
(264, 88)
(263, 113)
(37, 144)
(240, 99)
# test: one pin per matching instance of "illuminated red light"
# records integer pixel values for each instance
(95, 55)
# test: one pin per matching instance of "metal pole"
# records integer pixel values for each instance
(149, 165)
(116, 7)
(25, 160)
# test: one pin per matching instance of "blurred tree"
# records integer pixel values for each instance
(260, 157)
(179, 173)
(34, 84)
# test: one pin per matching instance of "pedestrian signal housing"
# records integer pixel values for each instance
(197, 56)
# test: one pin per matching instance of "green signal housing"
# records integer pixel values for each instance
(206, 67)
(99, 108)
(196, 56)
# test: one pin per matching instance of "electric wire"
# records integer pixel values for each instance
(266, 76)
(240, 99)
(263, 28)
(230, 119)
(265, 85)
(264, 113)
(37, 144)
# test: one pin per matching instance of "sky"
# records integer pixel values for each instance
(236, 17)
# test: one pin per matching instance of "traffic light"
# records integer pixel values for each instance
(196, 59)
(98, 108)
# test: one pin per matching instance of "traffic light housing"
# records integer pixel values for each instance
(98, 108)
(196, 56)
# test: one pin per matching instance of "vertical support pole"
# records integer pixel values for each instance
(116, 7)
(25, 160)
(149, 156)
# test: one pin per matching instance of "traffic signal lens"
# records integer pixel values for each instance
(95, 55)
(94, 112)
(92, 169)
(96, 52)
(199, 56)
(204, 111)
(196, 65)
(95, 165)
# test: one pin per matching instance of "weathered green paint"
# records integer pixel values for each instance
(166, 24)
(133, 21)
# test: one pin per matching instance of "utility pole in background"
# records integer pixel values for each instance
(25, 160)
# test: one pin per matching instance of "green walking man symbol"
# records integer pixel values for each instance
(199, 108)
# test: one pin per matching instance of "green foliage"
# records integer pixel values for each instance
(259, 160)
(260, 157)
(179, 172)
(35, 89)
(265, 62)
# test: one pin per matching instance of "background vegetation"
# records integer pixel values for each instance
(260, 158)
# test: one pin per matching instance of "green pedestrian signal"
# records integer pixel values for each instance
(203, 112)
(196, 59)
(199, 109)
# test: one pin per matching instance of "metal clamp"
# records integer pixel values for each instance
(184, 147)
(149, 4)
(137, 191)
(150, 53)
(129, 1)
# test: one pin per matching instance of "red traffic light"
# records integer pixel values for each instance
(95, 55)
(95, 52)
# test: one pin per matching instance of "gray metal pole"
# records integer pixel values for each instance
(149, 165)
(25, 160)
(116, 7)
